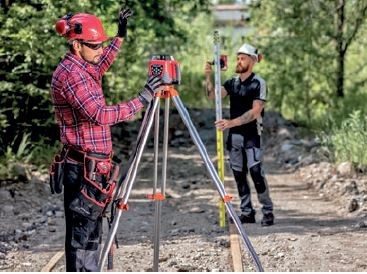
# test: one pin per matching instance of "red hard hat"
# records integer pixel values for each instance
(82, 26)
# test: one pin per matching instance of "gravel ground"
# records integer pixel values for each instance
(313, 231)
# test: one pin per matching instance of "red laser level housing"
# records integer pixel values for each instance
(166, 67)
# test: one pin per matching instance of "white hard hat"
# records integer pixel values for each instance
(249, 50)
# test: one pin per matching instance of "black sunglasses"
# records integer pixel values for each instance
(92, 46)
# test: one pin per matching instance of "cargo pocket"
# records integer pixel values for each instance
(85, 233)
(235, 152)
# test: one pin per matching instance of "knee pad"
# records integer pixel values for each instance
(240, 176)
(258, 177)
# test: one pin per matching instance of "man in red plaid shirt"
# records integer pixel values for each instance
(84, 120)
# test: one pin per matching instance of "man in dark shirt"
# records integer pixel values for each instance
(247, 94)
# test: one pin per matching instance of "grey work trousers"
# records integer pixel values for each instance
(246, 156)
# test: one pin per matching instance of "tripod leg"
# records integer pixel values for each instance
(126, 170)
(158, 205)
(156, 148)
(215, 177)
(128, 182)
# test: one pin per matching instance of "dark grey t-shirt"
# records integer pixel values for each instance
(242, 95)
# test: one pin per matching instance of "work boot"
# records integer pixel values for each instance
(268, 219)
(247, 219)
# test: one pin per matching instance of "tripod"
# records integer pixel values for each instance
(124, 191)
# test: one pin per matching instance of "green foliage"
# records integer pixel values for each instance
(43, 152)
(298, 39)
(30, 51)
(348, 141)
(28, 154)
(22, 154)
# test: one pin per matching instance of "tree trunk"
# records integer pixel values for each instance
(340, 48)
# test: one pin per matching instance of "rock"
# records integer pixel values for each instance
(178, 133)
(284, 133)
(353, 205)
(40, 219)
(279, 255)
(5, 247)
(20, 172)
(59, 214)
(185, 268)
(7, 209)
(307, 160)
(172, 263)
(175, 232)
(27, 226)
(36, 180)
(163, 259)
(334, 179)
(196, 210)
(351, 188)
(224, 243)
(20, 237)
(286, 147)
(362, 224)
(345, 169)
(4, 195)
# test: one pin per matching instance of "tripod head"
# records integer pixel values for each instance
(166, 67)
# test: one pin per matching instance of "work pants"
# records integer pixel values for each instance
(83, 236)
(246, 155)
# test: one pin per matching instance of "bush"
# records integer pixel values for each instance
(348, 141)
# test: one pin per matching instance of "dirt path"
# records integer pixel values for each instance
(309, 234)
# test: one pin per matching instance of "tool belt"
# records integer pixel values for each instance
(97, 185)
(57, 171)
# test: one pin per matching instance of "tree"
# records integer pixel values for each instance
(31, 49)
(305, 48)
(347, 27)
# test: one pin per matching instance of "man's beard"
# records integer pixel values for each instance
(93, 61)
(240, 69)
(96, 59)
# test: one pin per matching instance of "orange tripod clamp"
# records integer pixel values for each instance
(167, 92)
(156, 197)
(123, 207)
(227, 198)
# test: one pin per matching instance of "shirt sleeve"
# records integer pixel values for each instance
(261, 92)
(109, 55)
(91, 105)
(228, 85)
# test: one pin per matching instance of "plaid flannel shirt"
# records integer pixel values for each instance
(80, 107)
